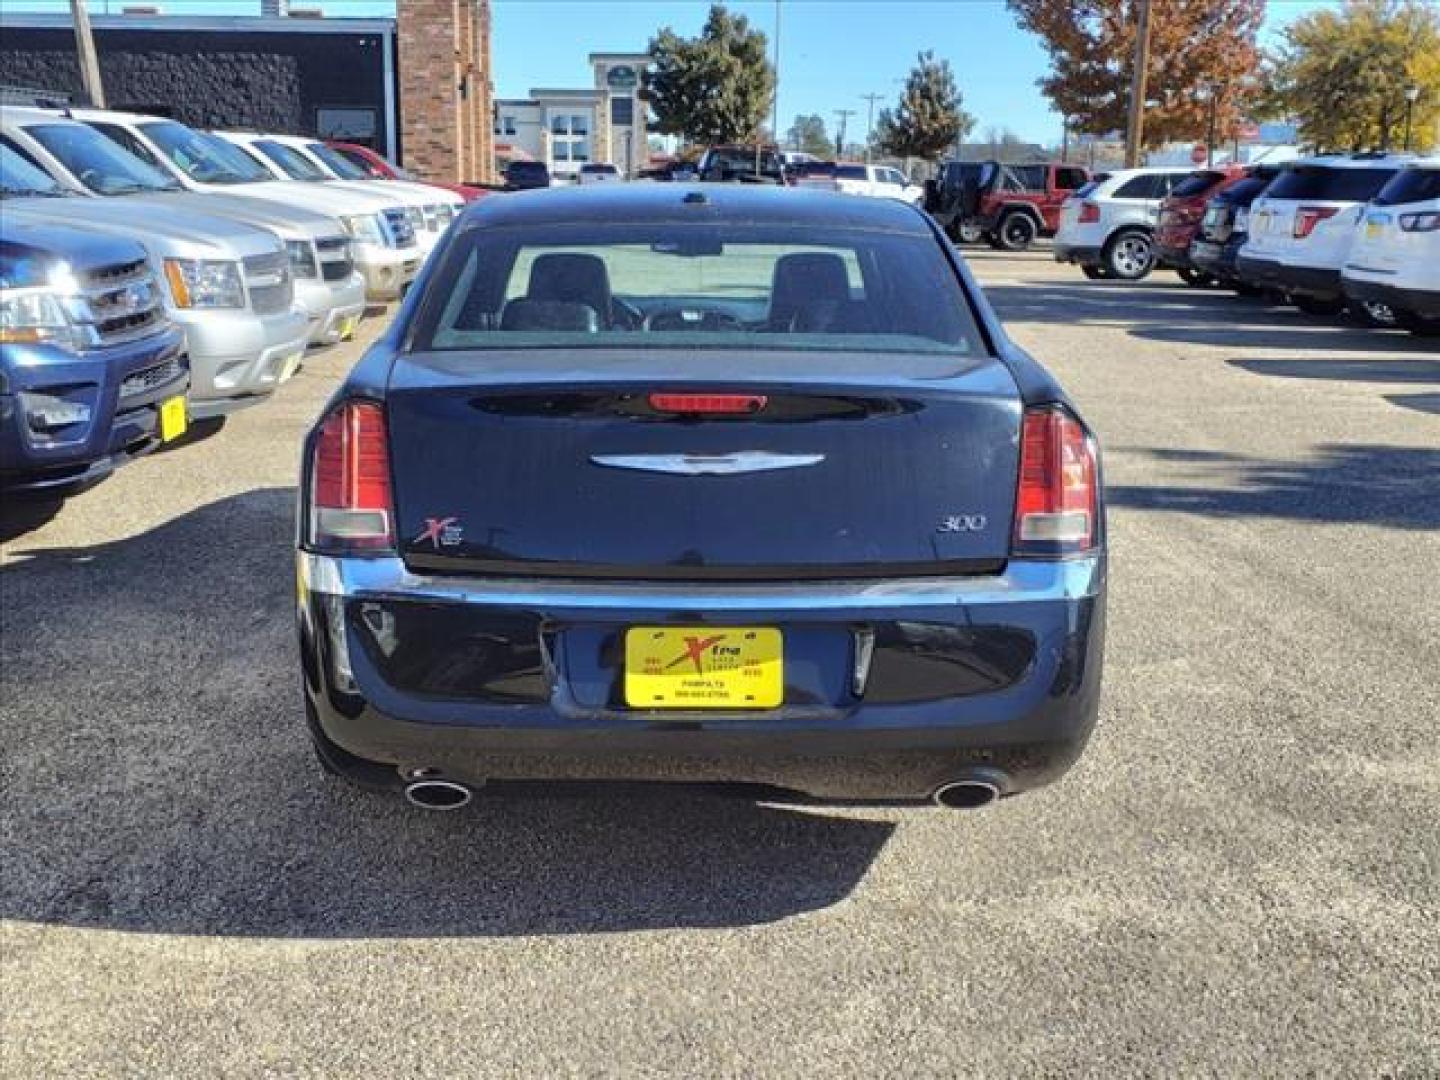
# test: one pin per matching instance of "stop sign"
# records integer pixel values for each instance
(1198, 153)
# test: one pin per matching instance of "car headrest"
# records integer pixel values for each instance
(804, 280)
(572, 278)
(526, 314)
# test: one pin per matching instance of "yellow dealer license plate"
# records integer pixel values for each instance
(172, 419)
(704, 667)
(347, 327)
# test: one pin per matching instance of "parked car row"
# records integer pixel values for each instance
(1358, 232)
(147, 263)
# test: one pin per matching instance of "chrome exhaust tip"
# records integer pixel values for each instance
(966, 794)
(437, 794)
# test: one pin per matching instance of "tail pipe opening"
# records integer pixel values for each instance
(967, 794)
(438, 794)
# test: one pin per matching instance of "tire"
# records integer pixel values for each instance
(1130, 255)
(1416, 324)
(969, 232)
(1096, 273)
(1371, 313)
(1196, 279)
(1314, 305)
(1016, 231)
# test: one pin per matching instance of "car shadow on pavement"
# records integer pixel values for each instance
(1389, 486)
(158, 778)
(1398, 369)
(1183, 315)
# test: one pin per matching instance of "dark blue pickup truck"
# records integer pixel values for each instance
(92, 373)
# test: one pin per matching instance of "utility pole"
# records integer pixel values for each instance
(1135, 128)
(85, 50)
(775, 104)
(843, 114)
(870, 121)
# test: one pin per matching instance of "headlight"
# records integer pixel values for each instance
(36, 315)
(205, 283)
(365, 228)
(302, 258)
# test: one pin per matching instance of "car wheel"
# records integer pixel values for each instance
(1198, 279)
(1096, 273)
(1130, 255)
(969, 232)
(1017, 232)
(1371, 313)
(1418, 325)
(1314, 305)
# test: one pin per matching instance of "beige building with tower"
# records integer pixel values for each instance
(607, 122)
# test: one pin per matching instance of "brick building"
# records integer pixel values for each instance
(417, 87)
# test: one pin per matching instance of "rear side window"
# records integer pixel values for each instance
(1409, 186)
(1333, 185)
(1197, 183)
(689, 286)
(1145, 186)
(1069, 179)
(850, 172)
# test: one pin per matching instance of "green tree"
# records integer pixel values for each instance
(1343, 74)
(1202, 56)
(713, 88)
(808, 133)
(929, 118)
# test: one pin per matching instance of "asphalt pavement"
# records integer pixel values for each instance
(1241, 877)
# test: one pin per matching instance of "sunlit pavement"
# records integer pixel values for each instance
(1239, 878)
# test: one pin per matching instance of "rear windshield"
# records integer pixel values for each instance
(605, 170)
(1243, 192)
(526, 168)
(708, 285)
(741, 159)
(1333, 185)
(850, 172)
(1197, 183)
(1410, 185)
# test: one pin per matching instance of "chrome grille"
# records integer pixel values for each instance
(402, 233)
(268, 281)
(121, 302)
(149, 378)
(336, 262)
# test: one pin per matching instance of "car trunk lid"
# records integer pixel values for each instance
(529, 465)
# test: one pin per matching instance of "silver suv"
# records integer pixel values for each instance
(227, 284)
(328, 288)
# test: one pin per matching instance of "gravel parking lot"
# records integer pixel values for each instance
(1242, 876)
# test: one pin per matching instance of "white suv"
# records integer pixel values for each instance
(1108, 226)
(1395, 257)
(1302, 227)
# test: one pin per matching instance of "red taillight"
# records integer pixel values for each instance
(1057, 500)
(1089, 213)
(1307, 217)
(350, 499)
(708, 403)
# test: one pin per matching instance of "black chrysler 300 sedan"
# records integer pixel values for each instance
(710, 484)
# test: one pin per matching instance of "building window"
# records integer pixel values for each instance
(579, 125)
(347, 125)
(579, 150)
(505, 125)
(622, 111)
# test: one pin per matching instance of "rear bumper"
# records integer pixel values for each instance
(1314, 281)
(120, 426)
(1214, 257)
(892, 688)
(1422, 302)
(1082, 254)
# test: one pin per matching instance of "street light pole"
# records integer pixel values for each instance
(85, 52)
(775, 104)
(843, 114)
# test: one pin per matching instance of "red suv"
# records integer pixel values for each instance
(1007, 205)
(1180, 217)
(378, 167)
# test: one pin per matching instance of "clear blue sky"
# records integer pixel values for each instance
(831, 51)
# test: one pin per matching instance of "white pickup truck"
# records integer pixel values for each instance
(857, 178)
